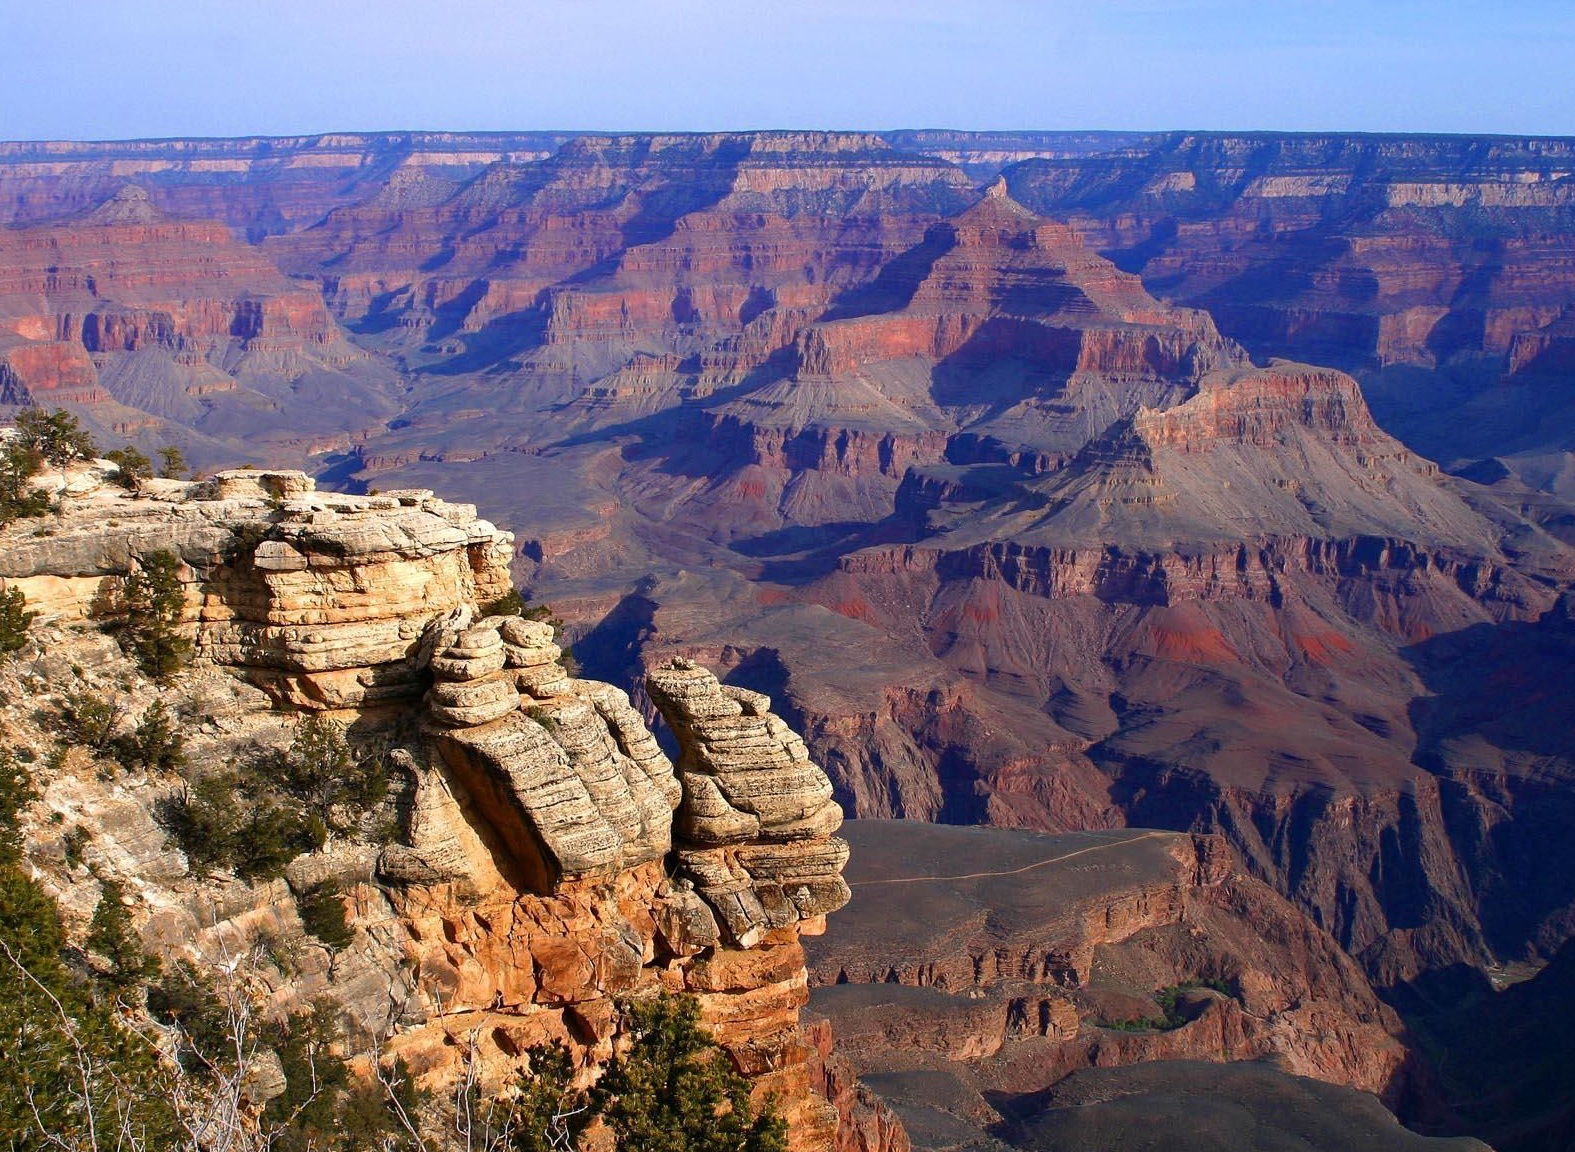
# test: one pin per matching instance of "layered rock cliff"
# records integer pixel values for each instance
(551, 861)
(1428, 265)
(166, 330)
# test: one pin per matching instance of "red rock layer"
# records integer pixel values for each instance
(172, 330)
(130, 279)
(1365, 249)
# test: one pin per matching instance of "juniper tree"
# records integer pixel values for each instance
(19, 463)
(133, 466)
(172, 462)
(56, 436)
(154, 745)
(672, 1090)
(675, 1090)
(154, 599)
(15, 620)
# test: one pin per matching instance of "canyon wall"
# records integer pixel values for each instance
(1084, 934)
(1012, 494)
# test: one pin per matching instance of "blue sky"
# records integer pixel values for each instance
(104, 69)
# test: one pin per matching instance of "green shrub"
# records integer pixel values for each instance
(257, 815)
(672, 1090)
(205, 820)
(543, 717)
(509, 604)
(219, 823)
(73, 842)
(111, 936)
(132, 467)
(516, 603)
(322, 910)
(16, 793)
(1169, 999)
(154, 599)
(154, 745)
(272, 835)
(541, 613)
(15, 620)
(281, 953)
(86, 719)
(675, 1090)
(548, 1112)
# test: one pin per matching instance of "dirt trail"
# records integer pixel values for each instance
(1013, 871)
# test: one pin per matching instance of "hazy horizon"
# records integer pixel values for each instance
(149, 69)
(746, 130)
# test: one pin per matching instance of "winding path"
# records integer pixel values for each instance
(1015, 871)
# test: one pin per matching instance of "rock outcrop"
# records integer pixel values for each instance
(562, 772)
(554, 861)
(757, 815)
(324, 600)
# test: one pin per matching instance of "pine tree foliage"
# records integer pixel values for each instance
(55, 436)
(154, 745)
(19, 463)
(324, 1108)
(15, 620)
(112, 937)
(154, 600)
(672, 1090)
(72, 1069)
(549, 1112)
(172, 462)
(132, 467)
(320, 770)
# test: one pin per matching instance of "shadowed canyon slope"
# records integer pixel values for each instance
(1438, 268)
(1025, 472)
(1119, 989)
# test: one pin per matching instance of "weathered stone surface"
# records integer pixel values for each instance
(756, 815)
(534, 883)
(686, 923)
(321, 598)
(526, 787)
(752, 761)
(634, 739)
